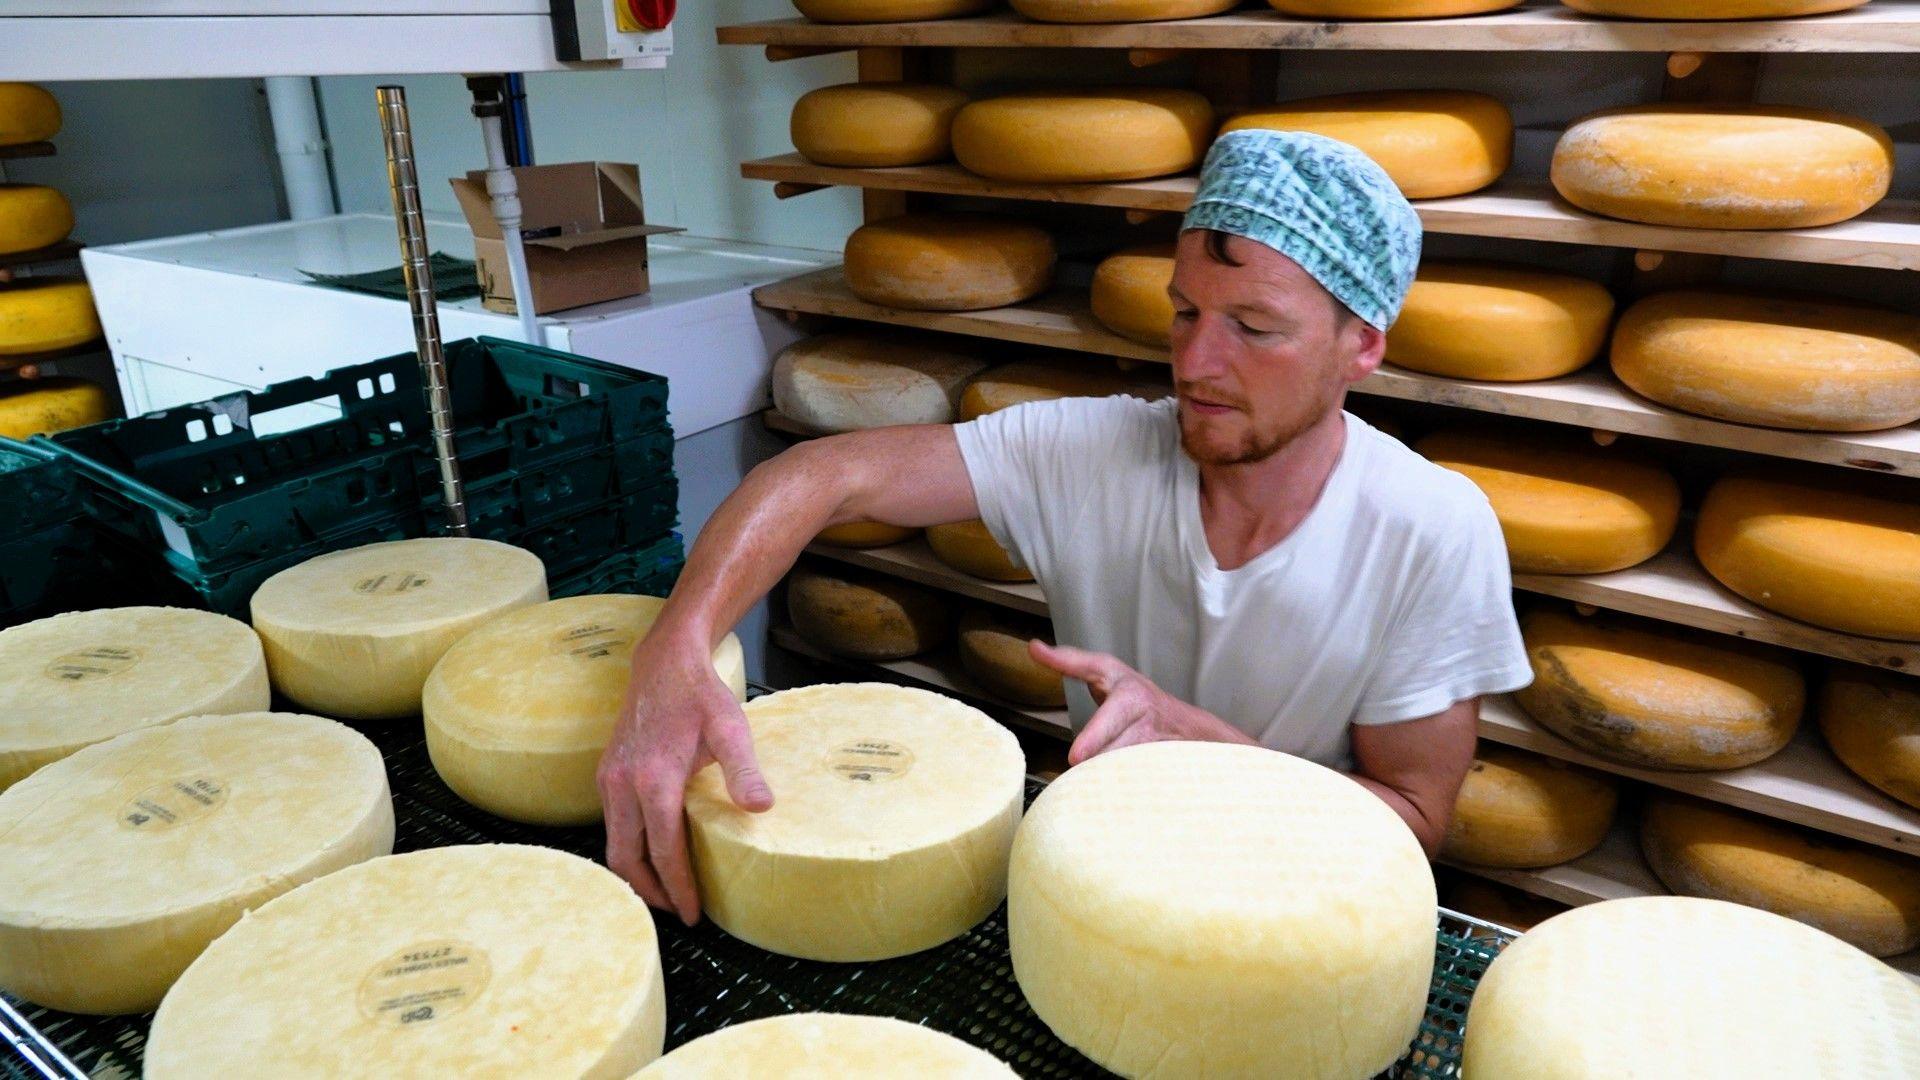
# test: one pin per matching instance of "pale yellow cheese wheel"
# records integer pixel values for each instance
(827, 1046)
(1517, 809)
(864, 534)
(853, 381)
(1710, 9)
(1081, 135)
(1865, 896)
(1113, 11)
(81, 678)
(1564, 507)
(125, 860)
(868, 125)
(45, 315)
(1656, 696)
(867, 616)
(1037, 380)
(993, 650)
(948, 262)
(1388, 9)
(1498, 322)
(28, 113)
(1872, 721)
(1839, 558)
(871, 11)
(970, 548)
(1432, 143)
(1724, 166)
(32, 216)
(485, 961)
(1130, 293)
(1808, 363)
(519, 711)
(893, 813)
(30, 407)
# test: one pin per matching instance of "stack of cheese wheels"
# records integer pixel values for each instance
(1783, 361)
(1565, 508)
(81, 678)
(27, 114)
(126, 859)
(1499, 322)
(1692, 988)
(1654, 696)
(487, 960)
(355, 633)
(1111, 11)
(869, 125)
(1433, 143)
(1522, 810)
(1864, 896)
(1846, 560)
(1033, 380)
(827, 1046)
(1872, 722)
(1130, 293)
(867, 616)
(853, 381)
(993, 649)
(948, 262)
(1724, 166)
(872, 11)
(1710, 9)
(32, 217)
(45, 315)
(1388, 9)
(864, 534)
(1208, 909)
(970, 548)
(43, 406)
(893, 813)
(1501, 905)
(518, 712)
(1083, 135)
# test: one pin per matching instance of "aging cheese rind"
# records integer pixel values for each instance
(1518, 809)
(1872, 722)
(1083, 135)
(46, 315)
(1129, 295)
(1498, 322)
(842, 382)
(1035, 380)
(1710, 9)
(44, 406)
(867, 616)
(1432, 143)
(970, 548)
(31, 217)
(1388, 9)
(28, 113)
(948, 262)
(875, 125)
(993, 649)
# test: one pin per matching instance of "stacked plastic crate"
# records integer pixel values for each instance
(48, 548)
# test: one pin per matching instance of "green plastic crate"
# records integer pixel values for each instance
(37, 489)
(559, 489)
(650, 571)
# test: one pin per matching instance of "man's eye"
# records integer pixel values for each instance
(1248, 330)
(1184, 313)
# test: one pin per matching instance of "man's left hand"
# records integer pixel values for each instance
(1131, 708)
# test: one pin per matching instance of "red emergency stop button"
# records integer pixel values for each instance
(651, 14)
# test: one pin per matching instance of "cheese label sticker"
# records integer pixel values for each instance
(175, 802)
(594, 641)
(87, 665)
(393, 583)
(418, 985)
(870, 761)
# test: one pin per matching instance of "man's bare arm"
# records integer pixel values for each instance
(1417, 766)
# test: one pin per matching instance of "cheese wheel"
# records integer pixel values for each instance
(32, 217)
(827, 1046)
(1205, 909)
(1130, 293)
(1501, 905)
(1688, 988)
(519, 711)
(1657, 697)
(1388, 9)
(1031, 380)
(868, 125)
(867, 616)
(1859, 894)
(1114, 11)
(1498, 322)
(864, 534)
(993, 650)
(128, 858)
(81, 678)
(849, 382)
(1782, 361)
(44, 406)
(1565, 508)
(1872, 722)
(893, 813)
(491, 960)
(1724, 166)
(355, 633)
(948, 262)
(1843, 559)
(1432, 143)
(27, 114)
(872, 11)
(1710, 9)
(968, 547)
(1518, 809)
(45, 315)
(1083, 134)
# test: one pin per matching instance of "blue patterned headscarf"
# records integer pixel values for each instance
(1319, 202)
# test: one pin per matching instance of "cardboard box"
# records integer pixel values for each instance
(584, 228)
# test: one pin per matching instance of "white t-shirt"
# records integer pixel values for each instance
(1390, 601)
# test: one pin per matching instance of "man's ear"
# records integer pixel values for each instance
(1366, 344)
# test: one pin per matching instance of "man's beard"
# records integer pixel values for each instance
(1256, 446)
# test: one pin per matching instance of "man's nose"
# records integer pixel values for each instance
(1200, 349)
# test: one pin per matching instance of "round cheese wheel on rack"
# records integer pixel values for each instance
(1658, 697)
(27, 114)
(867, 616)
(1114, 11)
(1432, 143)
(1307, 953)
(45, 315)
(1564, 507)
(519, 711)
(993, 649)
(1724, 166)
(1032, 380)
(81, 678)
(355, 633)
(32, 216)
(968, 547)
(44, 406)
(872, 11)
(1859, 894)
(1687, 987)
(849, 382)
(864, 534)
(1518, 809)
(484, 960)
(1794, 362)
(1130, 293)
(1710, 9)
(893, 813)
(1388, 9)
(126, 859)
(1498, 322)
(948, 262)
(1872, 722)
(1848, 560)
(1081, 135)
(827, 1046)
(870, 125)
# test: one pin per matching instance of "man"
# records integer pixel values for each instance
(1243, 562)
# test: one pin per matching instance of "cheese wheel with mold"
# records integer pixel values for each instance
(1872, 722)
(1129, 295)
(1388, 9)
(893, 813)
(1082, 135)
(948, 262)
(1517, 809)
(46, 314)
(1498, 322)
(864, 534)
(31, 217)
(1431, 143)
(867, 616)
(993, 650)
(1710, 9)
(30, 407)
(126, 859)
(841, 382)
(970, 548)
(1035, 380)
(28, 113)
(1116, 11)
(827, 1046)
(875, 125)
(873, 11)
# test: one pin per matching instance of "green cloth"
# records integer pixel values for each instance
(453, 279)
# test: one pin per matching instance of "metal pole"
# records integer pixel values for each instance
(418, 272)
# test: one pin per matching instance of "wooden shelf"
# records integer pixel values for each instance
(914, 561)
(26, 150)
(60, 252)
